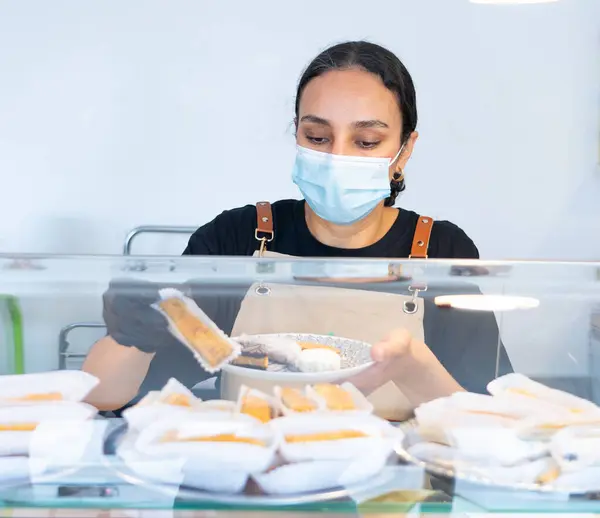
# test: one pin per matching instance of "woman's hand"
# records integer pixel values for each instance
(411, 365)
(130, 318)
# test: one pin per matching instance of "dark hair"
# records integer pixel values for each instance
(384, 64)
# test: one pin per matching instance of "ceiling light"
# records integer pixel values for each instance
(511, 2)
(486, 302)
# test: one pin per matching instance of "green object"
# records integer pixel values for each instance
(16, 318)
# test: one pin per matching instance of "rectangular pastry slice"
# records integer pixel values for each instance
(223, 437)
(335, 397)
(47, 396)
(211, 347)
(177, 400)
(306, 346)
(296, 401)
(252, 361)
(325, 436)
(257, 407)
(18, 427)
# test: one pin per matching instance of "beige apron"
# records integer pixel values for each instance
(355, 314)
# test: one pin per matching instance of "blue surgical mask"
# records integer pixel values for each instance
(342, 189)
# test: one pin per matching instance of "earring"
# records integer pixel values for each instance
(397, 178)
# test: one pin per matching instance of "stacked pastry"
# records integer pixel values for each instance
(280, 353)
(291, 441)
(38, 414)
(524, 433)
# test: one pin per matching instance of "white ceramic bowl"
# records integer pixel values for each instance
(356, 357)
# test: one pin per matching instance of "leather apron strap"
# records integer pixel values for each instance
(264, 232)
(420, 245)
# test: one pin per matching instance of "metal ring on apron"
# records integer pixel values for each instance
(262, 290)
(411, 307)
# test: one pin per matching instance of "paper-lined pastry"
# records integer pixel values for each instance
(335, 397)
(523, 391)
(292, 400)
(279, 349)
(325, 436)
(192, 327)
(437, 418)
(340, 398)
(220, 442)
(319, 360)
(66, 385)
(507, 450)
(524, 432)
(19, 422)
(256, 404)
(173, 401)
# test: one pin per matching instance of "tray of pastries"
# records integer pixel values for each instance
(39, 414)
(289, 447)
(522, 436)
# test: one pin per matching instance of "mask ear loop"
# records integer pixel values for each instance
(397, 155)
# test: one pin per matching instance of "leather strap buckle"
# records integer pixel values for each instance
(264, 232)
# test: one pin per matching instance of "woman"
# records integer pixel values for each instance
(355, 120)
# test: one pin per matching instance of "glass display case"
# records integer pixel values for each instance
(261, 384)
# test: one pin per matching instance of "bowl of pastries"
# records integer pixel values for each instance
(260, 361)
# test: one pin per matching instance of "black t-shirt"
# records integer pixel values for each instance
(232, 233)
(466, 343)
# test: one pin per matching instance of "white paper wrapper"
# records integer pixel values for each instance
(169, 293)
(577, 448)
(585, 480)
(480, 467)
(60, 444)
(488, 405)
(381, 436)
(544, 428)
(319, 360)
(13, 469)
(526, 473)
(438, 417)
(523, 391)
(495, 445)
(72, 385)
(319, 403)
(162, 469)
(444, 456)
(212, 456)
(312, 476)
(361, 403)
(177, 470)
(155, 406)
(218, 406)
(66, 413)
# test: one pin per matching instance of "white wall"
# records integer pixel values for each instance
(115, 114)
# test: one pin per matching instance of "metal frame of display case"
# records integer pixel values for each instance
(63, 337)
